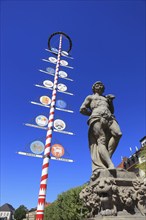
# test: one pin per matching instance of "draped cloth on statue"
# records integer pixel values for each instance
(97, 161)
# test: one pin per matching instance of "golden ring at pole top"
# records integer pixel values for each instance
(65, 35)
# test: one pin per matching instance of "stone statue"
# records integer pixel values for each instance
(104, 132)
(110, 191)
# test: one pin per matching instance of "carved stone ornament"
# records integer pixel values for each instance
(113, 193)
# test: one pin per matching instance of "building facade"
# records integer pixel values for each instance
(7, 212)
(130, 164)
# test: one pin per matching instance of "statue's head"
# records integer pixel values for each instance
(98, 87)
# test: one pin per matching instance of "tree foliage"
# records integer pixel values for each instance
(20, 212)
(68, 206)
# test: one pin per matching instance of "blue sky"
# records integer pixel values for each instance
(108, 45)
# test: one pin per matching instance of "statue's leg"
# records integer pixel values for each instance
(101, 142)
(114, 140)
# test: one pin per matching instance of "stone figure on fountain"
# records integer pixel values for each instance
(110, 191)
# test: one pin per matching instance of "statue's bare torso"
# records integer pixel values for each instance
(99, 105)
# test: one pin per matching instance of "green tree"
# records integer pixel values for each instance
(142, 165)
(20, 212)
(68, 206)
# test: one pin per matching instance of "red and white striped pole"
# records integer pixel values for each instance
(44, 176)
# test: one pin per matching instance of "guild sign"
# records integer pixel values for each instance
(63, 62)
(45, 100)
(37, 147)
(55, 50)
(62, 87)
(59, 124)
(41, 120)
(50, 70)
(62, 74)
(48, 83)
(57, 150)
(61, 104)
(65, 53)
(52, 59)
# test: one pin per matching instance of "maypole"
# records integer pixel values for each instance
(58, 125)
(44, 175)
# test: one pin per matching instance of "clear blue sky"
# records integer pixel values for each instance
(108, 45)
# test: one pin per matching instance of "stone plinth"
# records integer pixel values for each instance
(115, 194)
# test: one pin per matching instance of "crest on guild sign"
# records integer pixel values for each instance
(62, 74)
(61, 104)
(63, 62)
(45, 100)
(37, 147)
(57, 150)
(41, 120)
(59, 124)
(48, 83)
(52, 59)
(50, 70)
(62, 87)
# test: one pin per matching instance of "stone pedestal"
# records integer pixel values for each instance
(115, 194)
